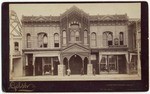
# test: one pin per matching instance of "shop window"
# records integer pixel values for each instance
(28, 40)
(16, 44)
(109, 64)
(85, 37)
(103, 64)
(56, 40)
(42, 40)
(121, 38)
(93, 39)
(64, 37)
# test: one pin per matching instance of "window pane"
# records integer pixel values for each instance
(64, 37)
(104, 39)
(42, 40)
(93, 39)
(72, 36)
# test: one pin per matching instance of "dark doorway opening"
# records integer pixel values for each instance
(75, 64)
(38, 66)
(85, 65)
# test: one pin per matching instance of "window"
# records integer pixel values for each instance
(121, 38)
(85, 37)
(28, 40)
(42, 40)
(116, 41)
(93, 39)
(107, 38)
(77, 35)
(72, 36)
(16, 44)
(64, 37)
(110, 38)
(56, 40)
(109, 63)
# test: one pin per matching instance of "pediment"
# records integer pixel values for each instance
(40, 18)
(107, 18)
(74, 11)
(76, 48)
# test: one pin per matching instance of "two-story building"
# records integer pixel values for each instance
(77, 41)
(15, 44)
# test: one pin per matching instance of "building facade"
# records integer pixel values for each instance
(85, 44)
(15, 51)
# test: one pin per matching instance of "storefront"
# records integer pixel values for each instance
(42, 64)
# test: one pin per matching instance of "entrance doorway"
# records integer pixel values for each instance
(38, 66)
(75, 64)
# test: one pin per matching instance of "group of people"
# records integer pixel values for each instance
(82, 71)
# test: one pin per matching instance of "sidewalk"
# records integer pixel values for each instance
(79, 77)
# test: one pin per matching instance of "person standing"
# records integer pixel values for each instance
(68, 72)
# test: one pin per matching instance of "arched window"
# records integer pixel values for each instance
(56, 40)
(77, 36)
(16, 44)
(85, 37)
(121, 36)
(72, 36)
(110, 38)
(107, 38)
(93, 39)
(28, 40)
(42, 40)
(64, 37)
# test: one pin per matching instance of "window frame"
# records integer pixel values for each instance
(56, 40)
(28, 40)
(93, 39)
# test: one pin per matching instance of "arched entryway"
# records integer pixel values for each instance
(75, 64)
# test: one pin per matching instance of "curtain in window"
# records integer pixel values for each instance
(105, 39)
(56, 40)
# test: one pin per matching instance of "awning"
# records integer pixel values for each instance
(48, 55)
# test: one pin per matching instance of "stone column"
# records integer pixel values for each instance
(61, 68)
(89, 67)
(100, 57)
(33, 63)
(83, 64)
(127, 64)
(52, 67)
(42, 66)
(26, 57)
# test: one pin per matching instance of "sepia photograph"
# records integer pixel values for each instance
(65, 42)
(75, 42)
